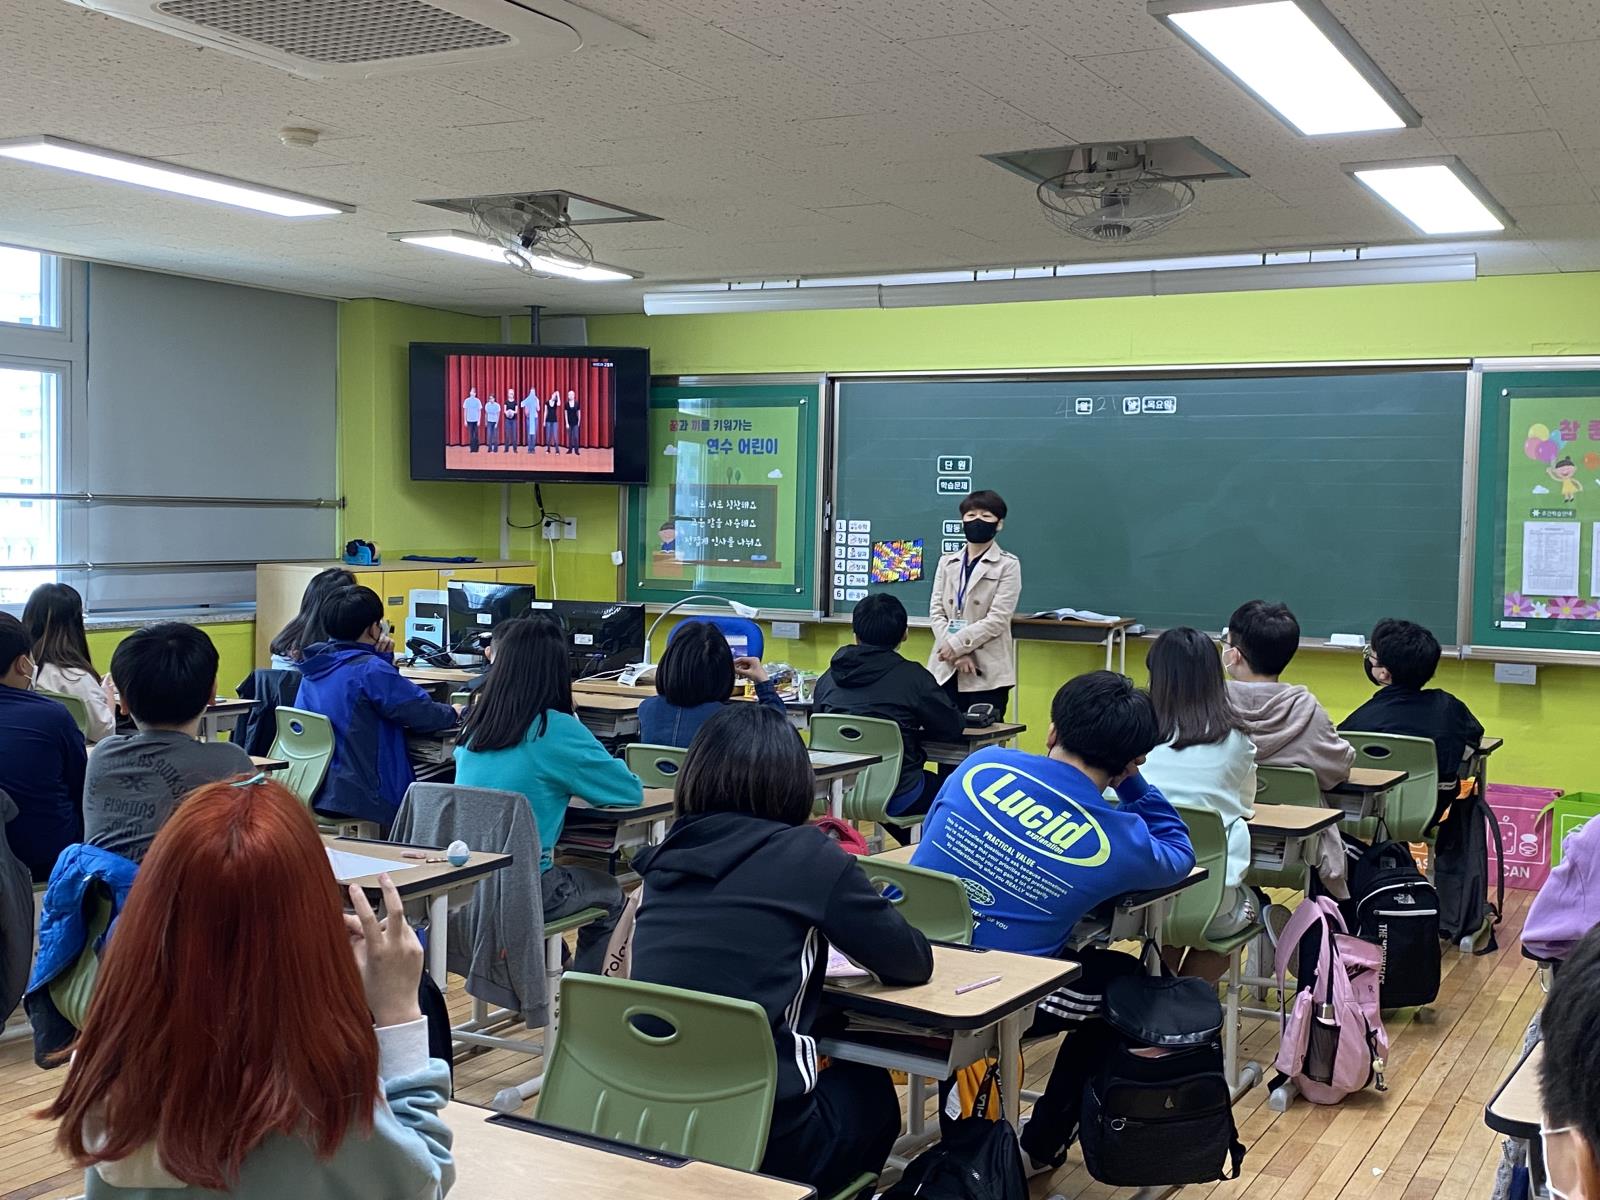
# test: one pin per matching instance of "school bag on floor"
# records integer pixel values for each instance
(976, 1159)
(1333, 1041)
(1157, 1110)
(1461, 853)
(1393, 905)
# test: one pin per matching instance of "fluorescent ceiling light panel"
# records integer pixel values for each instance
(1295, 58)
(164, 177)
(453, 241)
(1436, 195)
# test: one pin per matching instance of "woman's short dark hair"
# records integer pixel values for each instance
(302, 630)
(348, 612)
(1188, 689)
(697, 667)
(987, 500)
(748, 759)
(54, 617)
(531, 676)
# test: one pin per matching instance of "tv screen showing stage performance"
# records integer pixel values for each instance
(528, 412)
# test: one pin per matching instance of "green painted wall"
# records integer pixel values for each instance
(383, 503)
(1549, 729)
(234, 640)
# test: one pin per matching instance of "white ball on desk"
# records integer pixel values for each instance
(458, 853)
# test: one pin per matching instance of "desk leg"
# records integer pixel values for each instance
(1111, 647)
(836, 797)
(438, 925)
(1122, 650)
(1010, 1045)
(204, 732)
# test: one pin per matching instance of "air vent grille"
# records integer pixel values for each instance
(340, 31)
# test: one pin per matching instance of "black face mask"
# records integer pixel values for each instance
(979, 531)
(1366, 664)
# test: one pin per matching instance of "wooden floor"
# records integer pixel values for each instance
(1423, 1138)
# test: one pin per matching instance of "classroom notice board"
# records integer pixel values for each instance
(731, 506)
(1170, 498)
(1537, 563)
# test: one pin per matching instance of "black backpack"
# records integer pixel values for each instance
(1461, 871)
(975, 1159)
(1393, 905)
(1164, 1120)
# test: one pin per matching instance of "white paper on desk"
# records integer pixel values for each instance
(840, 967)
(1550, 558)
(347, 866)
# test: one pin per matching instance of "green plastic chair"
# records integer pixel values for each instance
(1286, 785)
(931, 901)
(73, 705)
(1411, 806)
(71, 991)
(869, 799)
(1194, 908)
(698, 1080)
(656, 766)
(305, 742)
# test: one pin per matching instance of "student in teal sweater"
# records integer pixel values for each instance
(521, 736)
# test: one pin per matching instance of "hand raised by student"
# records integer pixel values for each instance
(388, 955)
(750, 668)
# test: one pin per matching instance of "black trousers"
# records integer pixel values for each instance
(846, 1126)
(965, 700)
(1054, 1124)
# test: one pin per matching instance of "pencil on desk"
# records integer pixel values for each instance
(972, 987)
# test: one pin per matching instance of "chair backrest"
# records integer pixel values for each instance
(75, 706)
(743, 634)
(869, 799)
(305, 741)
(931, 901)
(1192, 909)
(1288, 785)
(663, 1068)
(71, 991)
(656, 766)
(1411, 806)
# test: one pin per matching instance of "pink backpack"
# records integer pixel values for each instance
(1334, 1042)
(846, 834)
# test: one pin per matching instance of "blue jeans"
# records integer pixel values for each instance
(494, 436)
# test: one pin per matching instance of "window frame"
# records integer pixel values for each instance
(55, 292)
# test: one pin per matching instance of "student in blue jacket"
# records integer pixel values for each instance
(693, 681)
(1037, 845)
(42, 759)
(521, 736)
(356, 686)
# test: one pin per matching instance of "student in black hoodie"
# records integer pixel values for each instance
(871, 679)
(743, 899)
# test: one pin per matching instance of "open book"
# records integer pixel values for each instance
(1075, 614)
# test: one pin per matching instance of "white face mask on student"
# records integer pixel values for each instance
(1561, 1148)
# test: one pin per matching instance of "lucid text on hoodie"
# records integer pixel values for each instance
(1037, 846)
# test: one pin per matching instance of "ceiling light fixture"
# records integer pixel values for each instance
(454, 241)
(57, 152)
(1294, 57)
(1436, 195)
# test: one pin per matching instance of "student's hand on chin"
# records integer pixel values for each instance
(388, 955)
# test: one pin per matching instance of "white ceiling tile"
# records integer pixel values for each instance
(1565, 79)
(1542, 221)
(1512, 154)
(1566, 187)
(1427, 43)
(1544, 22)
(927, 18)
(1470, 108)
(1112, 27)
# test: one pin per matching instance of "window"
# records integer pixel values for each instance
(29, 403)
(30, 292)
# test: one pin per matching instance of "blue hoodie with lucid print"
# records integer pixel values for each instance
(1037, 846)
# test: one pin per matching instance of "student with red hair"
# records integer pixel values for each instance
(230, 1044)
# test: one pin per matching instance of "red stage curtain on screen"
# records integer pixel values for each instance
(497, 374)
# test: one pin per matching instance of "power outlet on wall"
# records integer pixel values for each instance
(1523, 673)
(557, 528)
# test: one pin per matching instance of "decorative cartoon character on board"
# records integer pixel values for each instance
(1565, 472)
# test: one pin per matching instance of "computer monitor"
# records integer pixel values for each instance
(602, 638)
(477, 608)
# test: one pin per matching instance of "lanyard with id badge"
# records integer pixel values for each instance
(961, 622)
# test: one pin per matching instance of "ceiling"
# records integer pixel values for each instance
(784, 137)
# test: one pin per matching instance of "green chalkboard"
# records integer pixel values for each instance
(1172, 499)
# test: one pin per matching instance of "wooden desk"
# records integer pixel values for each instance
(1281, 833)
(970, 741)
(607, 831)
(507, 1158)
(223, 716)
(1489, 745)
(1516, 1110)
(987, 1019)
(438, 675)
(1112, 634)
(837, 772)
(432, 884)
(1365, 793)
(268, 765)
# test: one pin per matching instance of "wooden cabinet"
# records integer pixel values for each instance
(279, 587)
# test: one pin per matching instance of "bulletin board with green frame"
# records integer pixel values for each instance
(1536, 562)
(731, 508)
